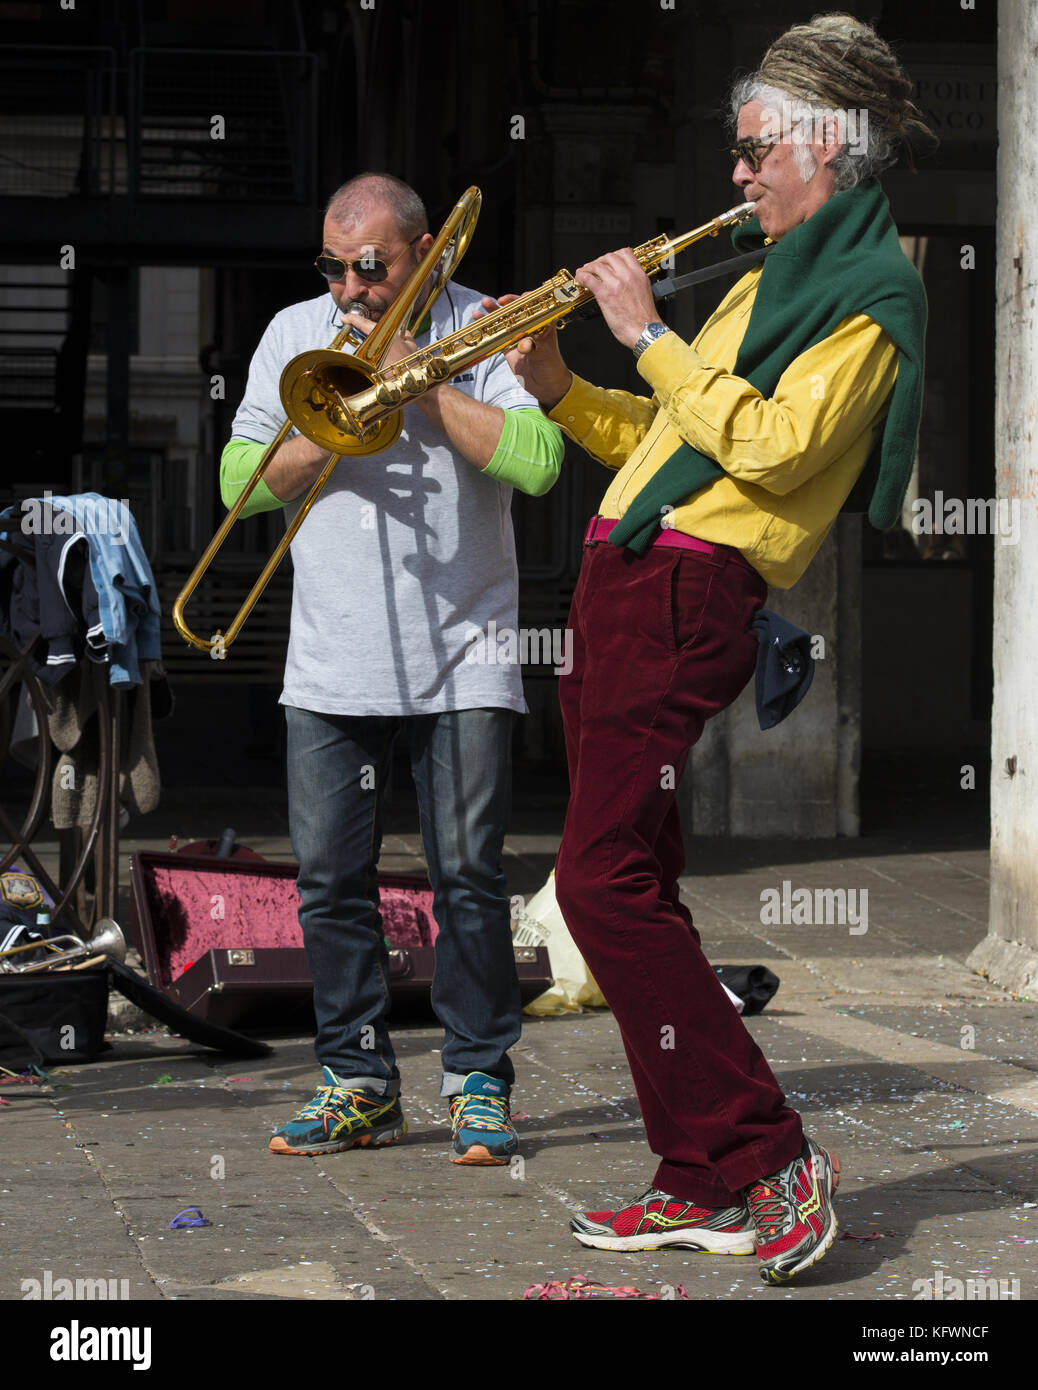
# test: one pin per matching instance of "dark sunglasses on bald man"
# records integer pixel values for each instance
(374, 272)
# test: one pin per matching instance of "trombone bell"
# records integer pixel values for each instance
(315, 390)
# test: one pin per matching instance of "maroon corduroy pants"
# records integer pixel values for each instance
(661, 642)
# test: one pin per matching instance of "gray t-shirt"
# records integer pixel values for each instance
(405, 555)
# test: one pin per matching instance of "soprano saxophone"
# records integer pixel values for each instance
(334, 398)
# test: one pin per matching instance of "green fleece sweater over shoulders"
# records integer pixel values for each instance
(845, 259)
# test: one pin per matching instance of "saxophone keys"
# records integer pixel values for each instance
(564, 293)
(388, 393)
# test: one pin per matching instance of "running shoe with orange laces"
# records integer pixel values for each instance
(481, 1122)
(341, 1117)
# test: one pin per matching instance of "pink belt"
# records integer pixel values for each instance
(599, 528)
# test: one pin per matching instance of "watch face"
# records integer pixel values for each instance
(649, 334)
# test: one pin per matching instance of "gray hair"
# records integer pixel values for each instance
(868, 155)
(353, 201)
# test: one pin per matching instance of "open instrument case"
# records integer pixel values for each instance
(221, 937)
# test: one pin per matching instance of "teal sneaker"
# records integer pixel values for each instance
(339, 1118)
(481, 1123)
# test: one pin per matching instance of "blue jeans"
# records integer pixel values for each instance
(338, 766)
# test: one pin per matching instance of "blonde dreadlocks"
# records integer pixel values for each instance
(837, 62)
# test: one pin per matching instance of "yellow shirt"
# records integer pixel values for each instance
(790, 462)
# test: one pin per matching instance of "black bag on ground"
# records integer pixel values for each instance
(61, 1015)
(18, 1052)
(58, 1014)
(755, 985)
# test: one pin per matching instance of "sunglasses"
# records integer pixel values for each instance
(749, 150)
(374, 272)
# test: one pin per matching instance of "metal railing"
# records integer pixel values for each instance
(29, 378)
(60, 136)
(233, 125)
(229, 124)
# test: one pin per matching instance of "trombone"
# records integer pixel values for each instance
(415, 299)
(348, 403)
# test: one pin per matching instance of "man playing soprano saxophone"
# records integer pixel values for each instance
(727, 480)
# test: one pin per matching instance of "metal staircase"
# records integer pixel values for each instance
(156, 152)
(219, 124)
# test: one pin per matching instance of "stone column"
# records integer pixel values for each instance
(1009, 954)
(799, 779)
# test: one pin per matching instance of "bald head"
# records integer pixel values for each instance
(370, 194)
(374, 218)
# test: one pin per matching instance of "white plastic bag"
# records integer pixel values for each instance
(541, 924)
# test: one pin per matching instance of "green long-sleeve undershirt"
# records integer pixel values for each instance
(528, 457)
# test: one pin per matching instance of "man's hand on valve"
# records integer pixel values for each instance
(402, 345)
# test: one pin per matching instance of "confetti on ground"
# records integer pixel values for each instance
(847, 1235)
(576, 1287)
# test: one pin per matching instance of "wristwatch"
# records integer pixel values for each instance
(648, 335)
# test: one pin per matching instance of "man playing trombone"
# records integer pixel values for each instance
(727, 480)
(403, 555)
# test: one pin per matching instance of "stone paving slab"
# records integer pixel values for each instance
(407, 1223)
(1000, 1030)
(938, 1143)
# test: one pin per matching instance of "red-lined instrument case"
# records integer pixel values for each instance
(222, 938)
